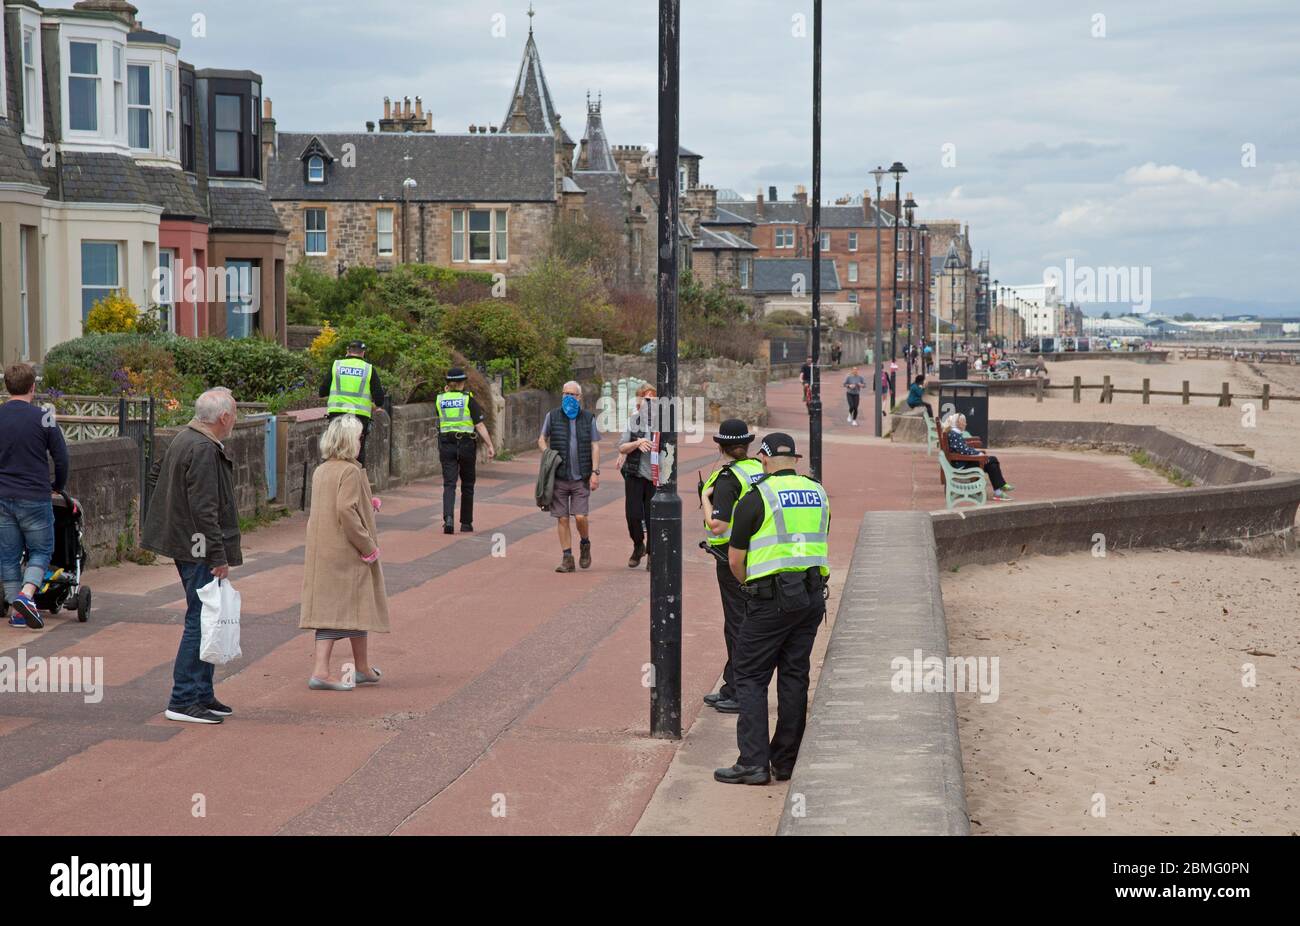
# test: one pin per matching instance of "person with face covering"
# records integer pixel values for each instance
(572, 433)
(636, 445)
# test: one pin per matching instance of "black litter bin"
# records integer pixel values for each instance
(953, 369)
(969, 399)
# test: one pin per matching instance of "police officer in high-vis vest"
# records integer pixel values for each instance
(719, 494)
(353, 388)
(460, 417)
(778, 552)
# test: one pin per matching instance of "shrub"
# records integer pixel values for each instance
(323, 344)
(252, 368)
(85, 365)
(114, 313)
(412, 364)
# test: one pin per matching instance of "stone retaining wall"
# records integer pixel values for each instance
(1236, 503)
(104, 477)
(730, 389)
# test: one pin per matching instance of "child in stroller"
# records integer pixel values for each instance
(61, 586)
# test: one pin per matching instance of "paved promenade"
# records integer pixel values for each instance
(512, 699)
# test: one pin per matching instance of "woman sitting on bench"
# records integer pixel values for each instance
(958, 447)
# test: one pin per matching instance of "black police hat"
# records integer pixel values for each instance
(779, 444)
(733, 431)
(357, 346)
(455, 374)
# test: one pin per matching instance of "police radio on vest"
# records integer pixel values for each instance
(799, 498)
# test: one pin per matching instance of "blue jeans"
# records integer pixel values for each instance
(191, 676)
(25, 524)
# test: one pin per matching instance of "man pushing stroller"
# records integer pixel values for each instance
(31, 441)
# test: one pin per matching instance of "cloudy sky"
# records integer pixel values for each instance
(1162, 134)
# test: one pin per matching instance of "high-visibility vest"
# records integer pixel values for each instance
(747, 472)
(792, 538)
(453, 413)
(350, 387)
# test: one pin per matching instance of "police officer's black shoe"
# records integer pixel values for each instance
(467, 528)
(447, 527)
(781, 774)
(742, 775)
(712, 699)
(726, 706)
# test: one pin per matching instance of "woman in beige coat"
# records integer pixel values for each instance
(343, 586)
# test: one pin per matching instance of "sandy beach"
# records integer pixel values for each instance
(1122, 677)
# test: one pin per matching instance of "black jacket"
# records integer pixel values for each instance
(193, 516)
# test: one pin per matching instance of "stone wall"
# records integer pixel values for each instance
(351, 234)
(104, 477)
(247, 447)
(299, 337)
(730, 389)
(414, 443)
(588, 358)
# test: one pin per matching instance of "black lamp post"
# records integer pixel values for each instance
(879, 174)
(897, 169)
(952, 263)
(909, 209)
(815, 399)
(665, 520)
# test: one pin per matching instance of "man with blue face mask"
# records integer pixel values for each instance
(572, 433)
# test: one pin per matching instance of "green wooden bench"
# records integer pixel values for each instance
(960, 485)
(931, 435)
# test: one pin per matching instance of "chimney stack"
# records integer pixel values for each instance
(801, 195)
(473, 129)
(388, 108)
(759, 200)
(419, 108)
(771, 193)
(370, 126)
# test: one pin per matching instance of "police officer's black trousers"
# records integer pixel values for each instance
(770, 639)
(459, 456)
(733, 615)
(365, 432)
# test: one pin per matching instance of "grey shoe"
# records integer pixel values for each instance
(317, 685)
(364, 678)
(566, 564)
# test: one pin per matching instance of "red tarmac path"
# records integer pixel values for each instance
(512, 699)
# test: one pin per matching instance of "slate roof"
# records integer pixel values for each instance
(776, 274)
(727, 217)
(607, 196)
(446, 168)
(175, 191)
(791, 212)
(18, 163)
(94, 177)
(242, 208)
(721, 241)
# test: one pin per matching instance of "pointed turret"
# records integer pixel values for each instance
(531, 109)
(596, 154)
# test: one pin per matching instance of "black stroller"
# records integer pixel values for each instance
(62, 586)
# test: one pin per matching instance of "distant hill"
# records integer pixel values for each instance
(1201, 306)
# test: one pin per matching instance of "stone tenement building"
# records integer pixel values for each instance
(488, 198)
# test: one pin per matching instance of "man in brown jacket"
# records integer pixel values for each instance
(193, 519)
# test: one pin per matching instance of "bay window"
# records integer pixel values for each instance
(83, 86)
(169, 110)
(227, 133)
(101, 274)
(33, 96)
(139, 106)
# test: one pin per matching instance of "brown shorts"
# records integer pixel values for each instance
(569, 498)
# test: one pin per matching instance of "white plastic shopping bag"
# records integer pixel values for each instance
(220, 622)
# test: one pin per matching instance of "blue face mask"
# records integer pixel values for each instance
(571, 406)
